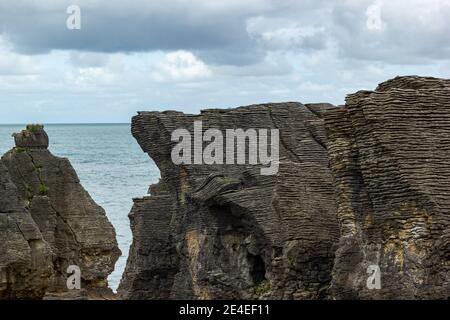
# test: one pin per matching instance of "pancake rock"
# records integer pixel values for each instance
(225, 231)
(74, 227)
(389, 152)
(25, 257)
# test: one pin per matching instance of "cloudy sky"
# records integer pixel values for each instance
(193, 54)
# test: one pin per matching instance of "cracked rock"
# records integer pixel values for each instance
(226, 231)
(25, 257)
(389, 155)
(74, 227)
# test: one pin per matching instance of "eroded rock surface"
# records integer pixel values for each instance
(25, 257)
(73, 226)
(389, 152)
(226, 231)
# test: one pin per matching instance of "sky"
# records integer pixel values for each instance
(187, 55)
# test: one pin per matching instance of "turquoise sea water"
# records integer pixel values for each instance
(111, 166)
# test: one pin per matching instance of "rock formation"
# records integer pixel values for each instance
(226, 231)
(360, 191)
(389, 153)
(25, 257)
(57, 213)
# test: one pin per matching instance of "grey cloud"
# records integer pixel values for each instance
(219, 38)
(215, 30)
(88, 59)
(404, 39)
(218, 31)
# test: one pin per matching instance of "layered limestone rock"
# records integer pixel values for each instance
(389, 154)
(227, 231)
(74, 227)
(25, 257)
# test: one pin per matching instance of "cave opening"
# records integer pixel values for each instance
(257, 268)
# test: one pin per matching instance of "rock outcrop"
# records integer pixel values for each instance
(57, 213)
(389, 153)
(25, 257)
(359, 191)
(226, 231)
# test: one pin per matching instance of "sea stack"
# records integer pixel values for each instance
(227, 231)
(359, 208)
(72, 225)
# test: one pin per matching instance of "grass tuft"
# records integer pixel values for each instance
(43, 189)
(262, 287)
(34, 128)
(21, 150)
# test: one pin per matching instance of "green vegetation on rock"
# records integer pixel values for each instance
(34, 128)
(262, 287)
(43, 189)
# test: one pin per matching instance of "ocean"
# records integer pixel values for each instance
(111, 166)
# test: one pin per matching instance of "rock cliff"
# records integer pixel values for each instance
(25, 257)
(58, 214)
(227, 231)
(389, 154)
(359, 191)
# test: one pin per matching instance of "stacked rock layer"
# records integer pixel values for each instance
(25, 257)
(361, 194)
(57, 225)
(389, 153)
(227, 231)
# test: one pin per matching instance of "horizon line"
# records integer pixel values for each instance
(65, 123)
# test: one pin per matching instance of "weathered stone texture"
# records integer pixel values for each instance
(25, 257)
(71, 223)
(226, 231)
(34, 136)
(389, 154)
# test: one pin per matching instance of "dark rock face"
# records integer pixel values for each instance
(74, 227)
(389, 152)
(25, 257)
(226, 231)
(32, 137)
(229, 232)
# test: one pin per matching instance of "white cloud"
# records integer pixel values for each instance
(92, 76)
(88, 59)
(181, 66)
(285, 34)
(183, 54)
(392, 32)
(14, 64)
(374, 21)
